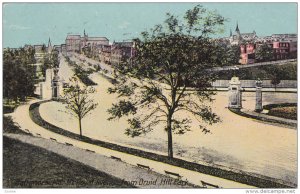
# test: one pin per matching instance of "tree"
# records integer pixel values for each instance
(18, 74)
(227, 54)
(264, 52)
(276, 73)
(234, 54)
(78, 100)
(50, 60)
(153, 86)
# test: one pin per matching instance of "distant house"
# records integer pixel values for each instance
(247, 53)
(285, 49)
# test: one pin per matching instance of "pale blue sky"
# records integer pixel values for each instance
(34, 23)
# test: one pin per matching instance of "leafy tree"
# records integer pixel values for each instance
(50, 60)
(78, 100)
(87, 51)
(234, 54)
(153, 85)
(18, 74)
(276, 74)
(54, 59)
(264, 52)
(228, 54)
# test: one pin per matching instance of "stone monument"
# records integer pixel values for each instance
(235, 93)
(258, 101)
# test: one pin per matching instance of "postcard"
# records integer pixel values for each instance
(150, 95)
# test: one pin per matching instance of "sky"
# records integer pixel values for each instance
(34, 23)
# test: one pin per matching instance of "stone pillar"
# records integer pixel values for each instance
(55, 86)
(258, 101)
(235, 93)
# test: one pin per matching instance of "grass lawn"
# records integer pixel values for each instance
(289, 112)
(284, 110)
(27, 166)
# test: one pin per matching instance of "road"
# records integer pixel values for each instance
(127, 171)
(236, 143)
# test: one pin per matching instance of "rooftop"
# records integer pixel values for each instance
(70, 37)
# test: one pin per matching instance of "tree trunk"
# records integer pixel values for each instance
(80, 129)
(170, 141)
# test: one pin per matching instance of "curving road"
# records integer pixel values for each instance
(236, 143)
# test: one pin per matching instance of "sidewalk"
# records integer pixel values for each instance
(138, 177)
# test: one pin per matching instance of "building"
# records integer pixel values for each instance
(284, 49)
(73, 43)
(76, 43)
(289, 37)
(238, 37)
(92, 42)
(57, 48)
(247, 53)
(121, 51)
(63, 49)
(105, 54)
(284, 45)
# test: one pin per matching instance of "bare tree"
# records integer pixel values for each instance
(78, 101)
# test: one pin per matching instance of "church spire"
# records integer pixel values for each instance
(230, 32)
(237, 27)
(49, 46)
(49, 42)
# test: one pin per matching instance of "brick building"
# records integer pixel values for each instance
(247, 53)
(121, 51)
(76, 43)
(284, 49)
(284, 45)
(73, 43)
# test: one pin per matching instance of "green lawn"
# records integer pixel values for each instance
(289, 112)
(27, 166)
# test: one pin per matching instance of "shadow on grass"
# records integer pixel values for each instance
(27, 166)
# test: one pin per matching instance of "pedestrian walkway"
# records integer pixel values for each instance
(139, 177)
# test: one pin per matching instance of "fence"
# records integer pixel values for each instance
(251, 84)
